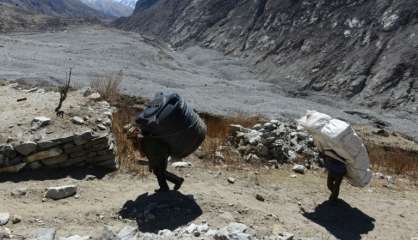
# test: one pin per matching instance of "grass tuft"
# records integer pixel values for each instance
(108, 86)
(128, 154)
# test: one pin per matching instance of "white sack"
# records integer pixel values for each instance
(339, 136)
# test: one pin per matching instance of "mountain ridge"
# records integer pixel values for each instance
(362, 51)
(63, 8)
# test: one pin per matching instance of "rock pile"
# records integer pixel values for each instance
(274, 142)
(233, 231)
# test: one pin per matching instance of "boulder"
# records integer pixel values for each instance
(181, 165)
(259, 197)
(61, 192)
(94, 96)
(78, 120)
(19, 192)
(4, 218)
(44, 234)
(231, 180)
(101, 127)
(299, 169)
(25, 148)
(40, 121)
(234, 231)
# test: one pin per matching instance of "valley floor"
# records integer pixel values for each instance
(210, 81)
(292, 204)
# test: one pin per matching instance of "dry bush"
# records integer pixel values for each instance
(108, 85)
(218, 132)
(393, 160)
(127, 150)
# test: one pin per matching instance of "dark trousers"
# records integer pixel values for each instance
(157, 153)
(334, 182)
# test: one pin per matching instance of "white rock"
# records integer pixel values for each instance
(128, 233)
(32, 90)
(292, 155)
(252, 158)
(390, 21)
(285, 236)
(40, 121)
(78, 120)
(61, 192)
(253, 137)
(390, 179)
(231, 180)
(257, 126)
(380, 175)
(101, 127)
(219, 156)
(75, 237)
(94, 96)
(4, 218)
(181, 165)
(44, 234)
(165, 233)
(191, 228)
(299, 169)
(234, 231)
(19, 192)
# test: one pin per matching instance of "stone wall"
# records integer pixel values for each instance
(86, 148)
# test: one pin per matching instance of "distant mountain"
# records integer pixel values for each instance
(130, 3)
(67, 8)
(114, 8)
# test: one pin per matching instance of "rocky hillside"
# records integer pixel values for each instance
(363, 51)
(66, 8)
(12, 18)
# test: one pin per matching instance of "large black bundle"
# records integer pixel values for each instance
(170, 119)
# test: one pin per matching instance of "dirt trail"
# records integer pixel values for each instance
(375, 212)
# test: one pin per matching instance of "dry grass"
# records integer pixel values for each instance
(108, 85)
(218, 132)
(127, 150)
(393, 154)
(391, 160)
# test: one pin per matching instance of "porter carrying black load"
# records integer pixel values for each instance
(171, 120)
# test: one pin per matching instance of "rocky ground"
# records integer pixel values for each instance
(210, 81)
(269, 202)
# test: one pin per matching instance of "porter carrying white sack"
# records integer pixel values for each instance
(339, 137)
